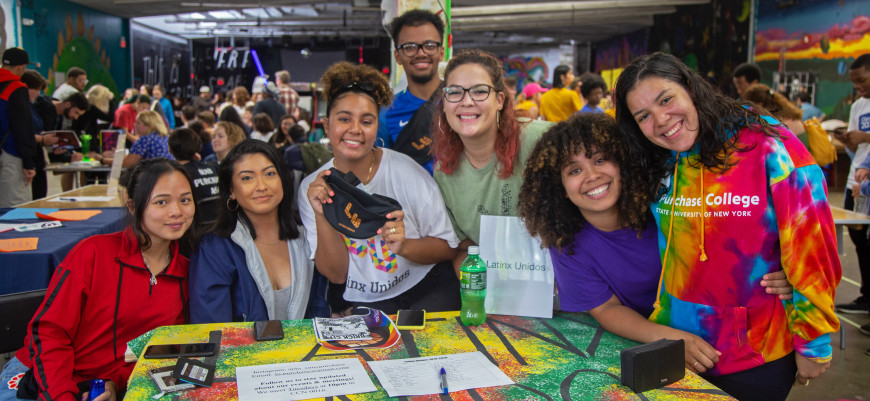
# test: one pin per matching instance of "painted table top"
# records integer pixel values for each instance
(568, 357)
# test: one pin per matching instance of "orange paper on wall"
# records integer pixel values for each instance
(18, 244)
(69, 215)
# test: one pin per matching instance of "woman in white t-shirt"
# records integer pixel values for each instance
(406, 265)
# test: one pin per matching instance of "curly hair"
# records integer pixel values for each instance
(447, 147)
(343, 77)
(543, 206)
(775, 103)
(719, 117)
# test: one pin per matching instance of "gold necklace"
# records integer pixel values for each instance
(371, 166)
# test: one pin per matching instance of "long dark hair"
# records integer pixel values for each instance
(719, 117)
(142, 179)
(227, 217)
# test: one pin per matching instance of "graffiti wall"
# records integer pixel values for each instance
(65, 35)
(712, 38)
(816, 36)
(620, 51)
(532, 66)
(161, 59)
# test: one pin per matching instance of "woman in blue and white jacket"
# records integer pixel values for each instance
(255, 263)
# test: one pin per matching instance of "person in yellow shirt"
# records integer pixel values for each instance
(531, 103)
(560, 102)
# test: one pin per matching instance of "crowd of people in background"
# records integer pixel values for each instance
(237, 181)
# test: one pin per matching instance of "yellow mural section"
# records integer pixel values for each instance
(838, 49)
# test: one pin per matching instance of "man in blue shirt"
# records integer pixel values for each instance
(417, 34)
(808, 108)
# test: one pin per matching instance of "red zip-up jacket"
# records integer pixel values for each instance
(99, 298)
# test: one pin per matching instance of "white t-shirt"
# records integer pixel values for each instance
(859, 119)
(374, 273)
(262, 136)
(63, 92)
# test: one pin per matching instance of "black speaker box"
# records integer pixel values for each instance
(650, 366)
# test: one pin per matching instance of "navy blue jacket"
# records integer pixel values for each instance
(228, 293)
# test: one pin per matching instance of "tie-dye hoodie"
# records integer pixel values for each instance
(768, 211)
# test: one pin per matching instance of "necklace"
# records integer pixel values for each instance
(153, 280)
(477, 159)
(371, 166)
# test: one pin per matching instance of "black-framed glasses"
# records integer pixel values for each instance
(410, 49)
(478, 93)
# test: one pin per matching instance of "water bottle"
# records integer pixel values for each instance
(98, 387)
(472, 288)
(86, 144)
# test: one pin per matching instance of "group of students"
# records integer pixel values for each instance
(708, 198)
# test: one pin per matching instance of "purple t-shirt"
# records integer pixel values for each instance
(608, 263)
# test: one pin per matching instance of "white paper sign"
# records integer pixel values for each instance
(420, 376)
(303, 380)
(519, 274)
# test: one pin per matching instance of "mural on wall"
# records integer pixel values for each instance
(532, 66)
(620, 51)
(77, 47)
(711, 38)
(815, 36)
(9, 33)
(526, 69)
(161, 59)
(66, 34)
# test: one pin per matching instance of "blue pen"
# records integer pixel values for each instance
(68, 199)
(444, 380)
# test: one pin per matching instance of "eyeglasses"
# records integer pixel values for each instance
(478, 93)
(410, 49)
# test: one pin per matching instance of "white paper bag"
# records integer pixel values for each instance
(519, 274)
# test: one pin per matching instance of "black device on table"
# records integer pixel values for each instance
(163, 351)
(268, 330)
(411, 319)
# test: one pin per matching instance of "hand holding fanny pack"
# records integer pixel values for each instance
(354, 212)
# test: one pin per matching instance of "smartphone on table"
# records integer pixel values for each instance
(411, 319)
(163, 351)
(268, 330)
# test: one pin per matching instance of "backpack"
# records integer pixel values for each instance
(820, 145)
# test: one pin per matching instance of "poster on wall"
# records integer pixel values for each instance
(9, 19)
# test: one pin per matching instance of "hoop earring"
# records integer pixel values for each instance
(231, 208)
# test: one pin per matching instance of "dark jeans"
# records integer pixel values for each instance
(862, 247)
(437, 292)
(769, 382)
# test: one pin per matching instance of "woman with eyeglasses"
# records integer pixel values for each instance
(407, 264)
(480, 145)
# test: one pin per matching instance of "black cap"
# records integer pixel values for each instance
(354, 212)
(15, 56)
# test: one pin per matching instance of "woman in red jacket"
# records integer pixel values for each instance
(109, 290)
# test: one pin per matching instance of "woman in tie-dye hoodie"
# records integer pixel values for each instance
(740, 197)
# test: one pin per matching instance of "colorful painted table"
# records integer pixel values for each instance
(569, 357)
